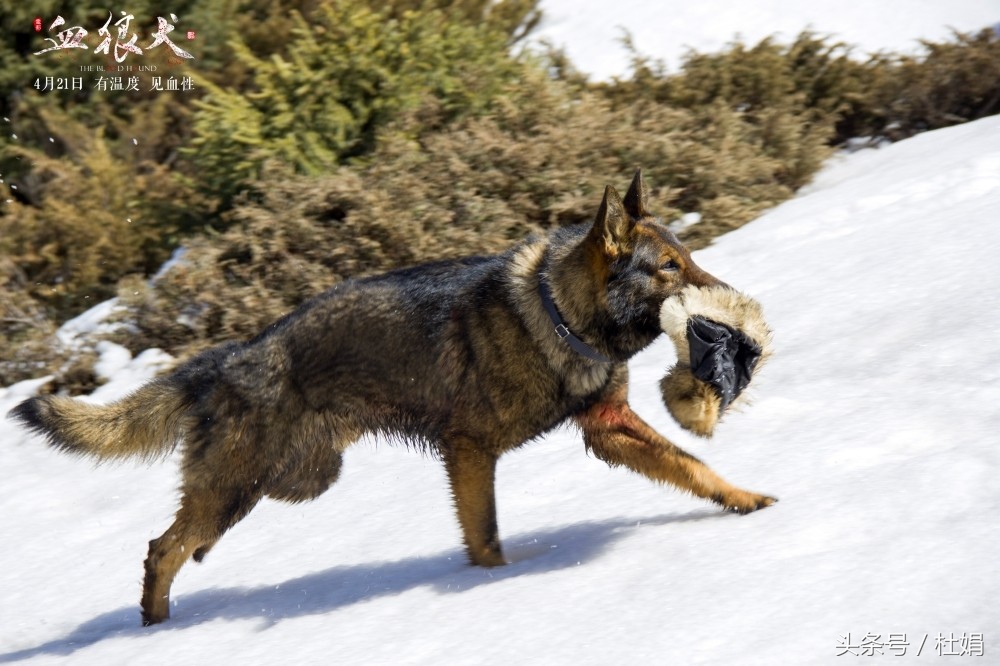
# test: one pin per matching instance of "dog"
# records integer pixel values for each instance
(469, 358)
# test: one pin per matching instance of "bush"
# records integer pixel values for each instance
(89, 205)
(953, 83)
(475, 186)
(89, 219)
(348, 72)
(820, 83)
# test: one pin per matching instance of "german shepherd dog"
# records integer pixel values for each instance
(469, 358)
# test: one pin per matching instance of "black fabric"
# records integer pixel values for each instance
(721, 356)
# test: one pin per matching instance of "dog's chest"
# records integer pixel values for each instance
(586, 380)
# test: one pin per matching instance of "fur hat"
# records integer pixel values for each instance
(722, 339)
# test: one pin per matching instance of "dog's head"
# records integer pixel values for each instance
(632, 262)
(632, 280)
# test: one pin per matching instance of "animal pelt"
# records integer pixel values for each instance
(697, 404)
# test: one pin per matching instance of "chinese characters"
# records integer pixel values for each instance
(69, 38)
(113, 83)
(872, 645)
(72, 37)
(122, 48)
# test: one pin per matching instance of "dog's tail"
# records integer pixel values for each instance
(145, 424)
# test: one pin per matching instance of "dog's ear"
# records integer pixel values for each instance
(636, 197)
(612, 230)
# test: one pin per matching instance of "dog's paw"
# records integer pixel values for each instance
(744, 502)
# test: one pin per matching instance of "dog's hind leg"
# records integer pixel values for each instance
(618, 436)
(471, 473)
(207, 511)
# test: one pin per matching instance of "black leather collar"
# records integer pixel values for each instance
(560, 328)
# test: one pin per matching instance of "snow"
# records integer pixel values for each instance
(94, 320)
(874, 424)
(176, 258)
(591, 32)
(124, 373)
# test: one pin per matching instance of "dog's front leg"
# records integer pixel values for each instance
(471, 472)
(618, 436)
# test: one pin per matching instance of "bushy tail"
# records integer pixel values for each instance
(144, 424)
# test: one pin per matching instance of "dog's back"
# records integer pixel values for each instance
(390, 346)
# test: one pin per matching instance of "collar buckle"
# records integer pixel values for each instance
(560, 328)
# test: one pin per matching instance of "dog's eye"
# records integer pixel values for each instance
(669, 266)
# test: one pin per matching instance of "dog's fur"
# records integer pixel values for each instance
(458, 356)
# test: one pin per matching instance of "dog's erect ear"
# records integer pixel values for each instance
(613, 227)
(636, 197)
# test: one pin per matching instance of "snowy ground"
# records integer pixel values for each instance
(875, 423)
(591, 30)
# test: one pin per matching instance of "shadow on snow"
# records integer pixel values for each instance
(325, 591)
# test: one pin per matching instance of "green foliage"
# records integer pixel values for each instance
(104, 215)
(820, 83)
(347, 72)
(93, 188)
(789, 96)
(263, 26)
(514, 18)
